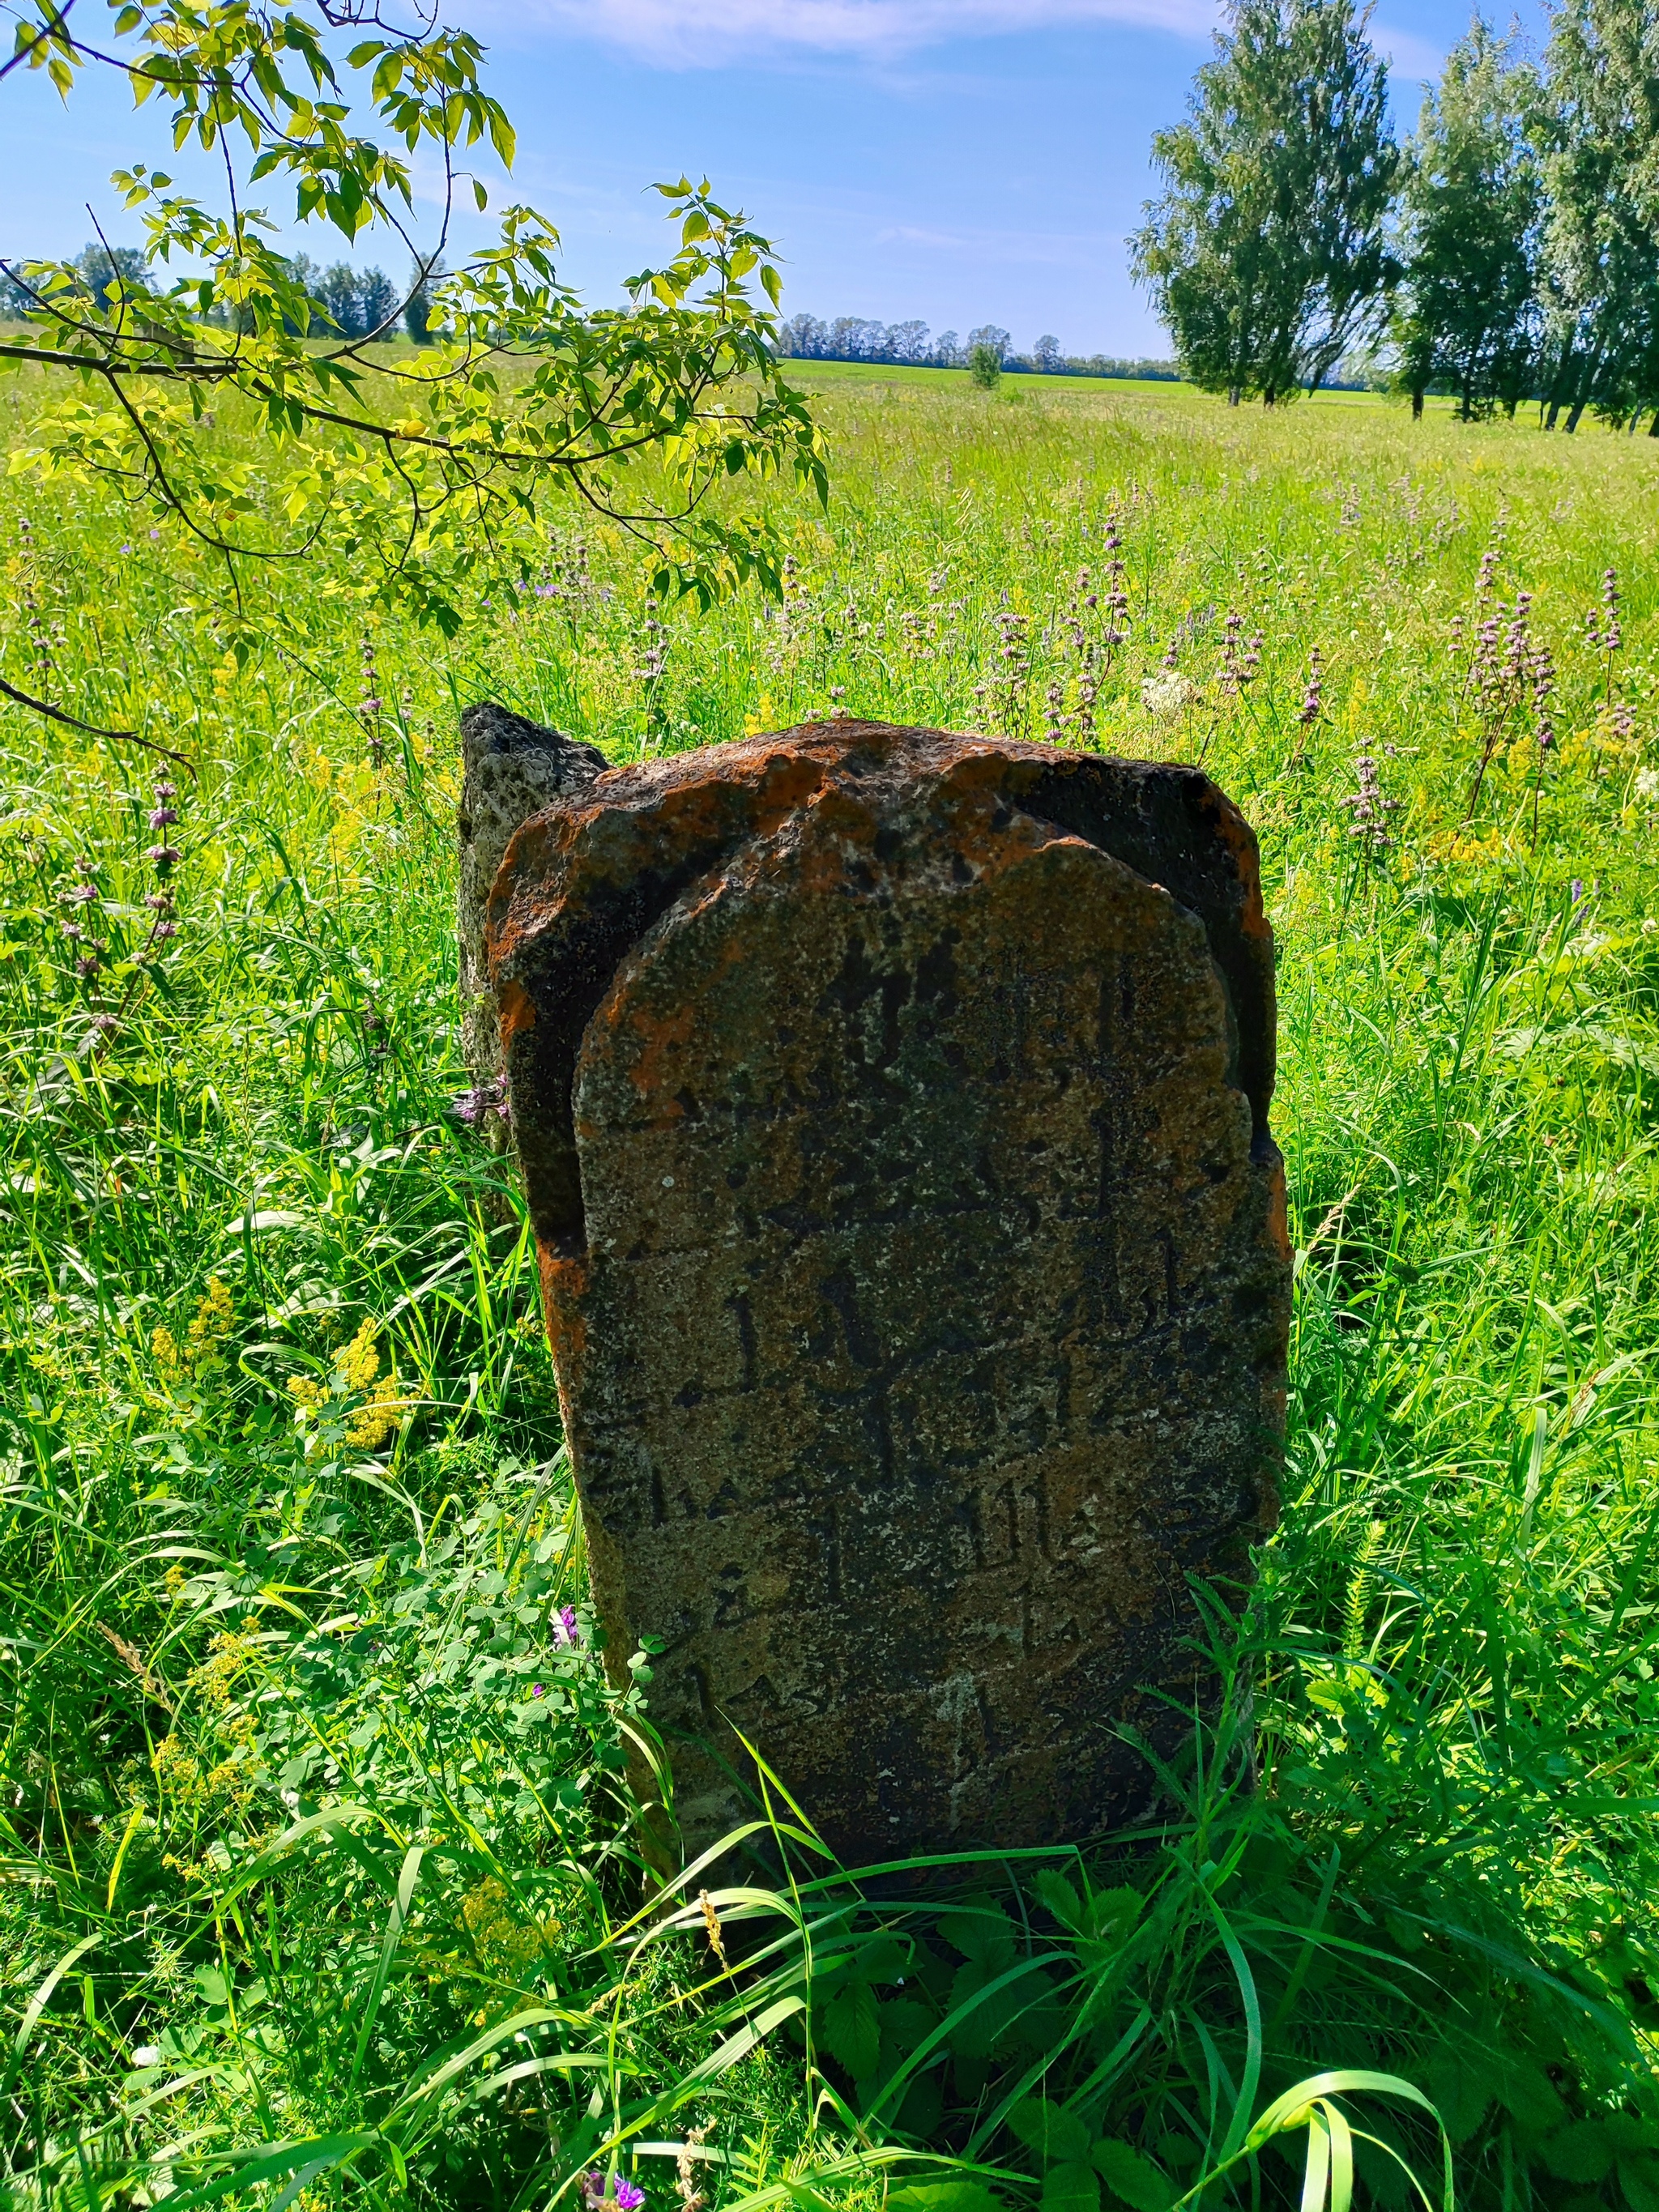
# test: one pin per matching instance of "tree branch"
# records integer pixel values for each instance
(92, 730)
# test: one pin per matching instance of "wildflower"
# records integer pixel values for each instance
(685, 2169)
(538, 1689)
(1647, 783)
(163, 817)
(163, 857)
(485, 1101)
(629, 2195)
(368, 707)
(565, 1631)
(1313, 702)
(1370, 811)
(1169, 695)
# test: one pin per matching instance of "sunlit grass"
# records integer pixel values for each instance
(318, 1830)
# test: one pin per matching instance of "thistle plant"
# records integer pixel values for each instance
(653, 660)
(1369, 810)
(1603, 630)
(1004, 690)
(368, 707)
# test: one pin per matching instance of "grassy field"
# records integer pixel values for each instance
(320, 1880)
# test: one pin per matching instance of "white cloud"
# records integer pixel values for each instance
(1020, 249)
(1409, 57)
(687, 32)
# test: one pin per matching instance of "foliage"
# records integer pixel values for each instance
(406, 472)
(985, 367)
(308, 1891)
(1601, 133)
(1266, 253)
(1465, 315)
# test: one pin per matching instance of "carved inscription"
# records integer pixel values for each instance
(923, 1325)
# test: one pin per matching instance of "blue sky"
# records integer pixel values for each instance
(960, 161)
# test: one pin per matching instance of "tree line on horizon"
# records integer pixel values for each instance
(911, 345)
(1508, 251)
(346, 303)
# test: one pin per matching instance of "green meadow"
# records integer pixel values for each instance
(322, 1879)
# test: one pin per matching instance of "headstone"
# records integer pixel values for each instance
(893, 1114)
(510, 768)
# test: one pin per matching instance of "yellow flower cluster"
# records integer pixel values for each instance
(355, 1367)
(202, 1353)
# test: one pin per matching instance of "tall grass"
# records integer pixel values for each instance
(323, 1874)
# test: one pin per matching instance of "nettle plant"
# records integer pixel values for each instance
(417, 469)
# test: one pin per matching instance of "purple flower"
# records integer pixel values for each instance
(564, 1626)
(87, 968)
(538, 1689)
(163, 789)
(630, 2196)
(155, 537)
(162, 817)
(163, 856)
(478, 1104)
(593, 2187)
(163, 930)
(80, 894)
(1577, 890)
(161, 901)
(126, 549)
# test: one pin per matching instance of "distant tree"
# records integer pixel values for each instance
(423, 280)
(307, 277)
(378, 301)
(1600, 131)
(989, 334)
(801, 338)
(1466, 314)
(340, 291)
(1265, 254)
(1046, 355)
(947, 352)
(106, 271)
(907, 341)
(16, 298)
(985, 365)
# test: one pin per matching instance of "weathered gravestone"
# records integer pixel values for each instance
(893, 1114)
(510, 768)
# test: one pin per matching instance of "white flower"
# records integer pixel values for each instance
(1647, 783)
(1168, 694)
(147, 2055)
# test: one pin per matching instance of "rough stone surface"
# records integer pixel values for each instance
(893, 1112)
(510, 769)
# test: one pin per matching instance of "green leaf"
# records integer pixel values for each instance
(1073, 2187)
(1130, 2177)
(1639, 2178)
(1061, 1898)
(963, 2196)
(1581, 2152)
(851, 2029)
(984, 1933)
(1055, 2135)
